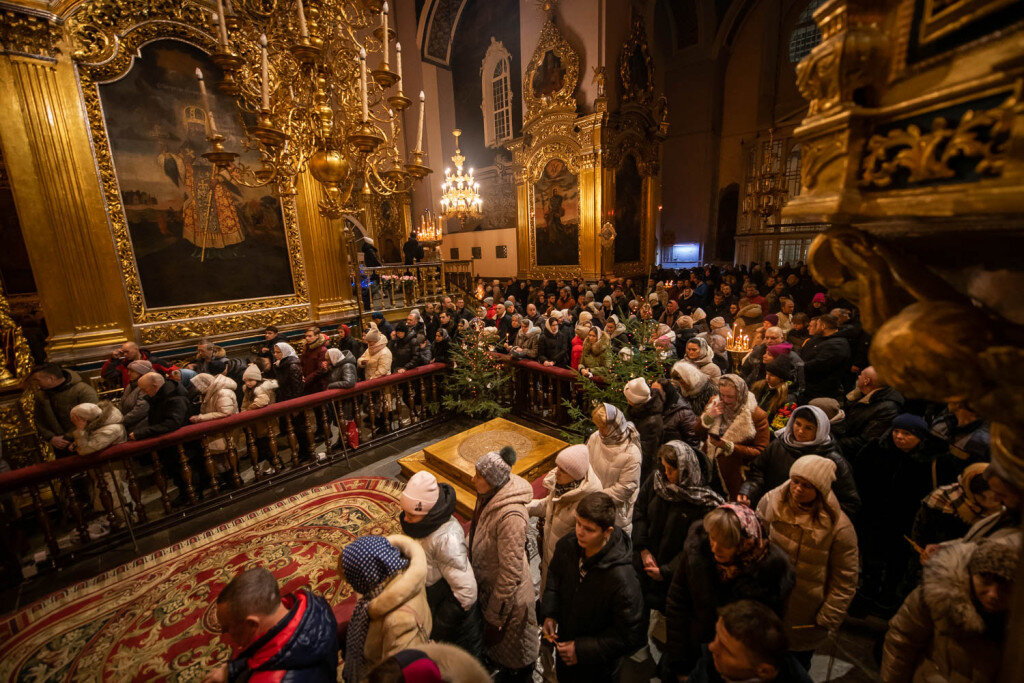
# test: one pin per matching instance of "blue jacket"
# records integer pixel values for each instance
(301, 648)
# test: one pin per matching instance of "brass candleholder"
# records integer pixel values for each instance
(229, 64)
(265, 131)
(218, 156)
(417, 165)
(366, 137)
(399, 102)
(384, 76)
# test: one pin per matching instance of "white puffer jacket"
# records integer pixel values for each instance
(618, 469)
(448, 558)
(559, 514)
(219, 400)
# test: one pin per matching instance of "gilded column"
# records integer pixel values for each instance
(326, 253)
(56, 192)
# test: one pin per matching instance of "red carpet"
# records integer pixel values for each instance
(154, 619)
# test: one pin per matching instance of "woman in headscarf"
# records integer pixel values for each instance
(616, 333)
(597, 357)
(737, 432)
(805, 520)
(526, 344)
(949, 511)
(346, 342)
(671, 499)
(551, 347)
(694, 385)
(497, 546)
(392, 613)
(700, 354)
(288, 371)
(727, 557)
(616, 458)
(440, 349)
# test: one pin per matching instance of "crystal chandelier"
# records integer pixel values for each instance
(298, 72)
(460, 194)
(767, 190)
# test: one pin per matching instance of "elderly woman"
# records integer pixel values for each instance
(700, 354)
(98, 426)
(805, 520)
(392, 613)
(726, 557)
(497, 545)
(737, 432)
(694, 385)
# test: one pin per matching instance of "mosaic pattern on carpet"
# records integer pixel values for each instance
(155, 619)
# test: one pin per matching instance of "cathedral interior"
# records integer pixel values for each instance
(264, 261)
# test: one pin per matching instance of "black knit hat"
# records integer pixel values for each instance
(781, 367)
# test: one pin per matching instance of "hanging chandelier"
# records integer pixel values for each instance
(299, 74)
(767, 189)
(460, 194)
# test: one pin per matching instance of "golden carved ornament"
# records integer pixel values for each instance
(189, 329)
(23, 32)
(97, 27)
(564, 80)
(849, 60)
(818, 154)
(18, 426)
(930, 155)
(15, 355)
(636, 68)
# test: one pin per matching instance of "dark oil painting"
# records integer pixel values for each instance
(556, 200)
(197, 237)
(549, 76)
(629, 185)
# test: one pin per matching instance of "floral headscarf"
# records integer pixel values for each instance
(753, 544)
(691, 486)
(618, 427)
(957, 498)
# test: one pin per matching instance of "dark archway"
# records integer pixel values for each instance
(728, 212)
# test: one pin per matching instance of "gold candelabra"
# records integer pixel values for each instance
(767, 190)
(299, 75)
(460, 193)
(430, 229)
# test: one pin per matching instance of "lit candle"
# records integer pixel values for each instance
(303, 30)
(206, 101)
(398, 59)
(384, 23)
(362, 82)
(221, 24)
(419, 132)
(264, 73)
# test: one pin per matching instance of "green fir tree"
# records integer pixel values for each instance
(478, 379)
(644, 361)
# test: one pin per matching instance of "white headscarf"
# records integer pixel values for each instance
(285, 349)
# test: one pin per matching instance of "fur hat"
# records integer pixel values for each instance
(829, 406)
(997, 557)
(637, 392)
(141, 366)
(781, 367)
(574, 461)
(420, 494)
(496, 466)
(252, 372)
(821, 472)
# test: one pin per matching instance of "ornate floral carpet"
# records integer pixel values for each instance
(155, 619)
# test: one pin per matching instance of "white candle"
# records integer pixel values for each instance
(398, 59)
(264, 74)
(362, 83)
(206, 101)
(222, 26)
(303, 31)
(419, 132)
(384, 23)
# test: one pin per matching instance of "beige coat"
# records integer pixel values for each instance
(824, 555)
(938, 636)
(455, 664)
(559, 514)
(102, 431)
(400, 615)
(376, 364)
(618, 470)
(262, 396)
(502, 567)
(219, 401)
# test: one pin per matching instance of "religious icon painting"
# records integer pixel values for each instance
(549, 78)
(556, 202)
(197, 236)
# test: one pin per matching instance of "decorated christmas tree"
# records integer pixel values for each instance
(478, 378)
(640, 359)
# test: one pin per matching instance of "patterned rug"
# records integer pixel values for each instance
(155, 619)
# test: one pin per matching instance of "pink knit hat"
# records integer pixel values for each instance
(574, 461)
(420, 493)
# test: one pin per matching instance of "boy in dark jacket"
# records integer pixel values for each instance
(592, 606)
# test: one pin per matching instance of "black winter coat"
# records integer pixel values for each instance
(866, 421)
(404, 353)
(650, 424)
(697, 591)
(169, 410)
(660, 526)
(680, 424)
(598, 605)
(345, 374)
(771, 469)
(826, 366)
(288, 373)
(552, 348)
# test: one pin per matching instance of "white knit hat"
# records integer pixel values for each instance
(86, 411)
(586, 317)
(252, 372)
(574, 461)
(821, 472)
(637, 391)
(420, 493)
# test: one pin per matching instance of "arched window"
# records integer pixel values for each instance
(805, 35)
(496, 86)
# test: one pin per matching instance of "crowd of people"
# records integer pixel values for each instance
(722, 520)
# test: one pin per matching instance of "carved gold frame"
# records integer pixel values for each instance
(102, 59)
(551, 40)
(636, 41)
